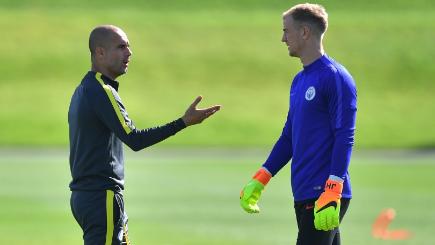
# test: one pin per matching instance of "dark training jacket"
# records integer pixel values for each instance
(98, 124)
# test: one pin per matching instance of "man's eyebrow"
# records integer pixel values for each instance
(126, 44)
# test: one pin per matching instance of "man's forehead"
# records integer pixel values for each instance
(287, 19)
(120, 36)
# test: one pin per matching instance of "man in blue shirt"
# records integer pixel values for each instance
(98, 125)
(318, 135)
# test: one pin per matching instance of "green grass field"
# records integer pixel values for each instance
(228, 51)
(185, 191)
(191, 197)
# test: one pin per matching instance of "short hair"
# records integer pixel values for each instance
(100, 37)
(313, 14)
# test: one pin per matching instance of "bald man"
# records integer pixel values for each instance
(98, 125)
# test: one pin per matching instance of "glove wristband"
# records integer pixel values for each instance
(263, 176)
(334, 186)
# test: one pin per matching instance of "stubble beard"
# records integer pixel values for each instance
(293, 54)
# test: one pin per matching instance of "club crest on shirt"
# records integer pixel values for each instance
(310, 93)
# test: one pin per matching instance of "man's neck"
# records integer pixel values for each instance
(311, 54)
(95, 68)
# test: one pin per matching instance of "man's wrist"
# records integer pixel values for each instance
(333, 186)
(263, 176)
(180, 123)
(185, 121)
(336, 178)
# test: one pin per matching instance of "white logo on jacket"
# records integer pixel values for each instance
(310, 93)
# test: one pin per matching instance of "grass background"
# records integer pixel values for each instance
(228, 51)
(191, 197)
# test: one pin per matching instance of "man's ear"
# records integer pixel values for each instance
(305, 31)
(99, 51)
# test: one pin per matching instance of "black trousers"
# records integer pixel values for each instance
(101, 216)
(307, 234)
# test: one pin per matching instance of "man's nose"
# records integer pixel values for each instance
(283, 38)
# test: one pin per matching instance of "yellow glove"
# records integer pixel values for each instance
(251, 193)
(327, 207)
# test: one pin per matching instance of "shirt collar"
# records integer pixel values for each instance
(316, 63)
(114, 84)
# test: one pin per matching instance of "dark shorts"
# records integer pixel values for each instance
(101, 216)
(307, 234)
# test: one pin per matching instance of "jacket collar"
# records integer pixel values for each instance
(114, 84)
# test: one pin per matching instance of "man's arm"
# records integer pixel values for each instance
(341, 96)
(282, 151)
(342, 108)
(278, 158)
(109, 108)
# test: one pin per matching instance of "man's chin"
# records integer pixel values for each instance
(123, 72)
(120, 73)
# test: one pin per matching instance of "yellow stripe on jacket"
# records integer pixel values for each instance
(114, 104)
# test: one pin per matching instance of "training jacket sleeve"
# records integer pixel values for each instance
(342, 106)
(110, 110)
(282, 151)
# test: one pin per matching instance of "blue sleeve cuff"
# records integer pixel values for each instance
(336, 178)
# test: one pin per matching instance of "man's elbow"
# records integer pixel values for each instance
(134, 147)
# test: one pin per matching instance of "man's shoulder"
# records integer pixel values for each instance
(89, 79)
(333, 67)
(91, 84)
(298, 75)
(90, 88)
(333, 71)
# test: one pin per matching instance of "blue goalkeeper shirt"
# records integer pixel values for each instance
(319, 132)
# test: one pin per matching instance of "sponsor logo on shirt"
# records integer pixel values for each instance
(310, 93)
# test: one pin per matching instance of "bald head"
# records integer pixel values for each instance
(102, 36)
(110, 50)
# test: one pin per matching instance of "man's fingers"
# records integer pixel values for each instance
(195, 103)
(250, 208)
(254, 208)
(215, 108)
(212, 110)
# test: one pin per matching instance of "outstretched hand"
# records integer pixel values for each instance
(194, 116)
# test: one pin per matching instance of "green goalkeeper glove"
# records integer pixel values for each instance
(251, 193)
(327, 207)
